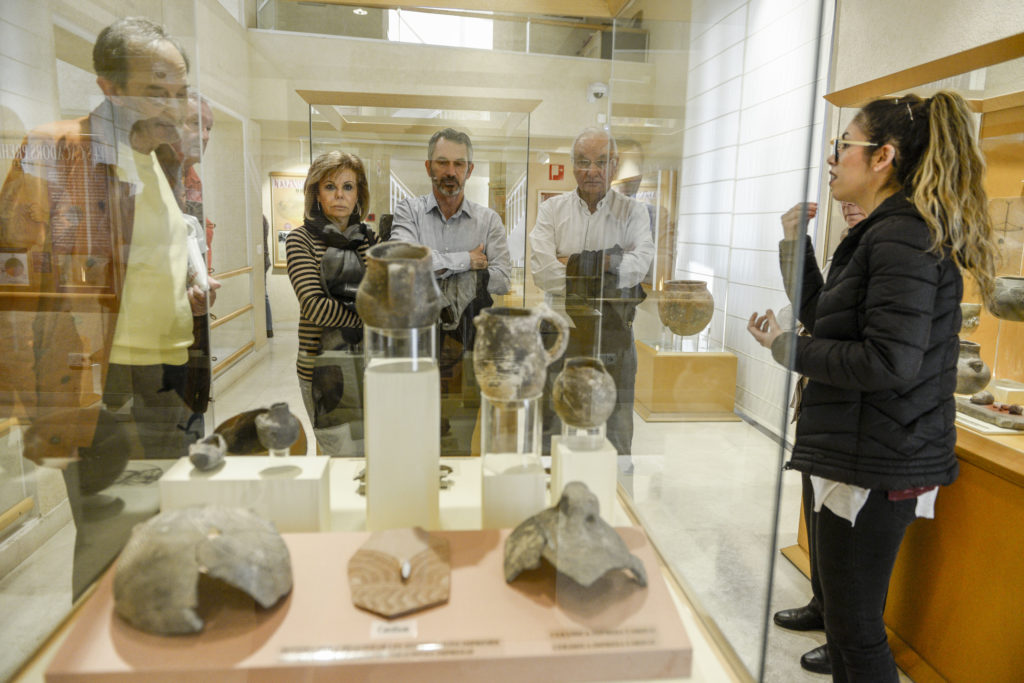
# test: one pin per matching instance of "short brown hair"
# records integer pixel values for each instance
(327, 164)
(127, 38)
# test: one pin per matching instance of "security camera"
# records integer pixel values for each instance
(596, 91)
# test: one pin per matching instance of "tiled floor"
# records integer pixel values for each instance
(704, 491)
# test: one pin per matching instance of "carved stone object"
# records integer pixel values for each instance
(573, 538)
(584, 393)
(970, 315)
(398, 291)
(399, 571)
(1008, 299)
(209, 453)
(277, 428)
(983, 398)
(972, 375)
(157, 576)
(685, 306)
(510, 358)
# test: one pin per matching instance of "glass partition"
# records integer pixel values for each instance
(636, 167)
(721, 120)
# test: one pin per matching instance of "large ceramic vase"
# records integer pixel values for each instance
(398, 290)
(1008, 300)
(584, 393)
(510, 357)
(685, 306)
(970, 318)
(972, 375)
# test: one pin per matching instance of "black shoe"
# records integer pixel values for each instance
(805, 618)
(817, 660)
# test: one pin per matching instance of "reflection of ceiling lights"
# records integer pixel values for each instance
(360, 11)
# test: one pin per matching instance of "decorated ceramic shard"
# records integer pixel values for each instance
(399, 571)
(573, 538)
(209, 453)
(156, 584)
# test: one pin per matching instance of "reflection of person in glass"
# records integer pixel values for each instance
(326, 262)
(592, 247)
(875, 431)
(105, 164)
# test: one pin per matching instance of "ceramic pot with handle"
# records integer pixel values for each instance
(510, 357)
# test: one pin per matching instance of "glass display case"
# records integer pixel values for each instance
(635, 157)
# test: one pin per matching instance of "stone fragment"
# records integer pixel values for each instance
(573, 538)
(157, 576)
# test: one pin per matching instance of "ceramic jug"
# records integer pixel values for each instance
(972, 375)
(398, 290)
(510, 358)
(685, 306)
(584, 393)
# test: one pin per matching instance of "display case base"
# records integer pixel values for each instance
(685, 386)
(540, 627)
(293, 493)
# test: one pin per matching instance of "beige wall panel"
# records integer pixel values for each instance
(873, 40)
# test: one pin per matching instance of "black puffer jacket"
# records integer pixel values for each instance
(881, 360)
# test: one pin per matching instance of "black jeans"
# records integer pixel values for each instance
(854, 564)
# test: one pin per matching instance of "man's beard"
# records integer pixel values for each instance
(447, 191)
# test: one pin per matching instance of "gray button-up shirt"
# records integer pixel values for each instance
(420, 220)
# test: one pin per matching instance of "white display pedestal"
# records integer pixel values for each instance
(597, 468)
(460, 504)
(293, 492)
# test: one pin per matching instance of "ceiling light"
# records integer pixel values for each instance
(360, 11)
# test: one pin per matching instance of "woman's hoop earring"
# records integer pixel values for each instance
(318, 208)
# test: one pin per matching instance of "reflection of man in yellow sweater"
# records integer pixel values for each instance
(89, 201)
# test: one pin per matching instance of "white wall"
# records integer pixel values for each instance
(750, 113)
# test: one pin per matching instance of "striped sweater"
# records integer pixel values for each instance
(317, 309)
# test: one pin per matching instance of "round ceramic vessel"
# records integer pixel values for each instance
(509, 356)
(972, 375)
(398, 291)
(685, 306)
(584, 393)
(1008, 300)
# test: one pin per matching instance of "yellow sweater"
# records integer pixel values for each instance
(154, 324)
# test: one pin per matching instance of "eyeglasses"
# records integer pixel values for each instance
(841, 144)
(585, 164)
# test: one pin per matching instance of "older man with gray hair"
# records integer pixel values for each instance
(590, 250)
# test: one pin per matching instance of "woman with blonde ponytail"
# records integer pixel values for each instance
(875, 432)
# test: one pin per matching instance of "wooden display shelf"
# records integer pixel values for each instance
(684, 386)
(539, 627)
(955, 602)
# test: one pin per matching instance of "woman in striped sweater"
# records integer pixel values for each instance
(326, 261)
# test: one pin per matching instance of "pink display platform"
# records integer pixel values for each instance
(542, 627)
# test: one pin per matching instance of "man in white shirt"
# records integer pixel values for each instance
(599, 244)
